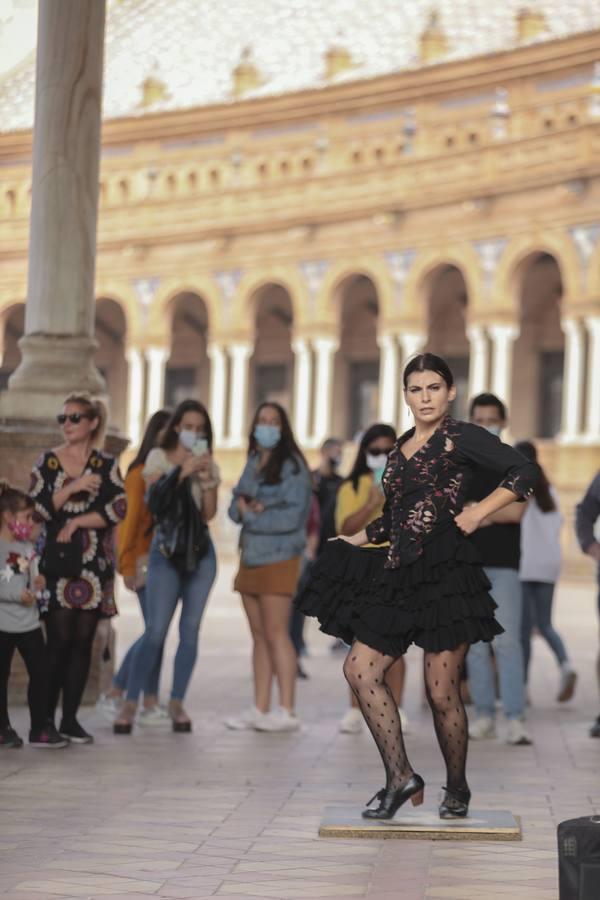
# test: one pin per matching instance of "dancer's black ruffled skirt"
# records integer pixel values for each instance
(437, 602)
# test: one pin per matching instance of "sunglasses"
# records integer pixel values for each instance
(74, 418)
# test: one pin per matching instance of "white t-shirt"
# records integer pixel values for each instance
(540, 543)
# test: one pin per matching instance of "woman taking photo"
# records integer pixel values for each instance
(134, 538)
(359, 501)
(427, 588)
(271, 502)
(539, 571)
(182, 481)
(78, 491)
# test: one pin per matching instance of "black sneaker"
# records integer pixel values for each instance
(75, 733)
(10, 738)
(47, 738)
(595, 729)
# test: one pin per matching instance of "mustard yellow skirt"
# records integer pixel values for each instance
(274, 578)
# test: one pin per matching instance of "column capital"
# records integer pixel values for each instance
(503, 330)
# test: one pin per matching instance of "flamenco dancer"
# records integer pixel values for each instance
(426, 587)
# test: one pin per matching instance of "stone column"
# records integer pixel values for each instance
(325, 348)
(573, 380)
(411, 343)
(238, 393)
(302, 389)
(388, 378)
(156, 358)
(503, 337)
(592, 433)
(58, 345)
(479, 360)
(218, 391)
(135, 394)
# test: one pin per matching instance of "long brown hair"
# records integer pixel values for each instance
(170, 436)
(287, 448)
(541, 492)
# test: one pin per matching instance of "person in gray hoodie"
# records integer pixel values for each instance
(587, 516)
(19, 619)
(271, 502)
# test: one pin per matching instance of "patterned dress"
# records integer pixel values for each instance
(427, 587)
(94, 588)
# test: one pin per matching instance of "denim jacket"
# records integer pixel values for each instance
(279, 531)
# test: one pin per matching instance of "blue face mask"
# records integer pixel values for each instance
(494, 429)
(267, 436)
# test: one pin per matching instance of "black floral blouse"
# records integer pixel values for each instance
(94, 588)
(427, 491)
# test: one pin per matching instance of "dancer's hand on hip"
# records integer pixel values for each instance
(469, 519)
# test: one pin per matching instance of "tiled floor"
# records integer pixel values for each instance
(230, 815)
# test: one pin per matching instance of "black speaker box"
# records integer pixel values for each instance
(579, 859)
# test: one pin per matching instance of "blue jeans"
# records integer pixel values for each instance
(164, 587)
(122, 677)
(506, 591)
(537, 610)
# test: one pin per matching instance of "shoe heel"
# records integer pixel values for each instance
(417, 799)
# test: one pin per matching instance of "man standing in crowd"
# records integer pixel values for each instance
(587, 516)
(499, 544)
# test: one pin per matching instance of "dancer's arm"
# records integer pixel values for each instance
(357, 540)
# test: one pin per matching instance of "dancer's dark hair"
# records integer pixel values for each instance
(360, 467)
(156, 424)
(171, 437)
(428, 362)
(541, 492)
(488, 400)
(287, 448)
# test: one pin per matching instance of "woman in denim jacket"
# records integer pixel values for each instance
(271, 502)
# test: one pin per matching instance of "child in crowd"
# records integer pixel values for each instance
(19, 619)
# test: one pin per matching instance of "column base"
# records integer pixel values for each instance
(51, 368)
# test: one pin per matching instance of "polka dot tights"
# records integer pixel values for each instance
(365, 671)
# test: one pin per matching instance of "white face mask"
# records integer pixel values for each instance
(376, 461)
(494, 429)
(187, 438)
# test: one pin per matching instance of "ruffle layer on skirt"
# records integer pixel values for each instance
(438, 601)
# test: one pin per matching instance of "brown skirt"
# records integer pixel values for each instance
(274, 578)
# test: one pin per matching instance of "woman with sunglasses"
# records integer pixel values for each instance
(79, 493)
(360, 501)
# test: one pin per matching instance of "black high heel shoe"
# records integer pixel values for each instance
(391, 801)
(455, 804)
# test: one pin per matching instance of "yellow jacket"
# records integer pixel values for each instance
(135, 532)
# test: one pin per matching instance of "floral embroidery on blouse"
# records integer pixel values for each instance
(94, 587)
(425, 492)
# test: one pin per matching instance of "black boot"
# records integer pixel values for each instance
(455, 804)
(391, 801)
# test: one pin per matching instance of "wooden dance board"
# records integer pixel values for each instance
(426, 825)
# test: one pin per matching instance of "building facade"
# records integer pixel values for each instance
(302, 245)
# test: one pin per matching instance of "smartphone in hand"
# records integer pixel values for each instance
(200, 447)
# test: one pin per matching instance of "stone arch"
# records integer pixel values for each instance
(110, 330)
(418, 280)
(355, 299)
(538, 352)
(202, 285)
(272, 363)
(243, 312)
(327, 304)
(505, 288)
(123, 294)
(188, 368)
(12, 327)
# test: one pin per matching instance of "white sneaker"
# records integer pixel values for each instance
(154, 717)
(109, 707)
(351, 722)
(483, 727)
(568, 681)
(517, 734)
(280, 720)
(246, 721)
(404, 721)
